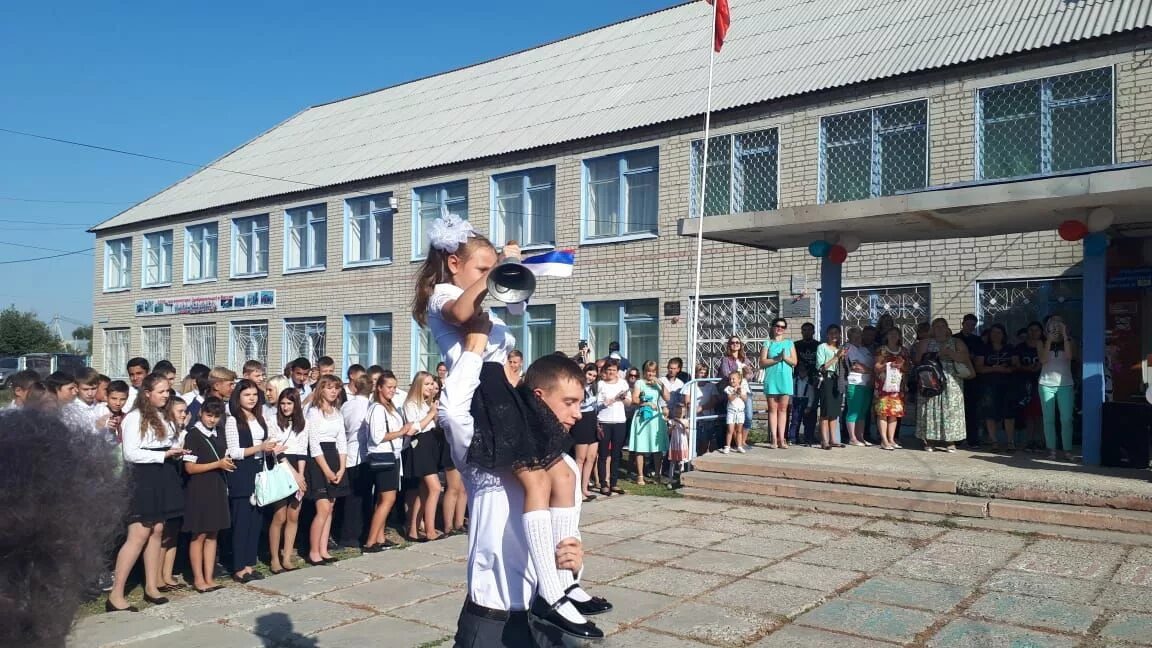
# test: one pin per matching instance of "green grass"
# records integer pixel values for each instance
(434, 642)
(651, 489)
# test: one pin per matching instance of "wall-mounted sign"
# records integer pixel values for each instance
(796, 307)
(253, 300)
(1131, 278)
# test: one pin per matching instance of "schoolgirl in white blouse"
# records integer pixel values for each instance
(326, 472)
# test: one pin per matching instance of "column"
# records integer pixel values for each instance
(1092, 347)
(830, 281)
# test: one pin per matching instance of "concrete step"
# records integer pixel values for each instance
(1089, 517)
(719, 463)
(883, 498)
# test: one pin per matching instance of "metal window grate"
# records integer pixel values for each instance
(1055, 124)
(721, 317)
(742, 173)
(116, 352)
(156, 342)
(906, 305)
(249, 342)
(875, 152)
(304, 340)
(200, 344)
(1017, 303)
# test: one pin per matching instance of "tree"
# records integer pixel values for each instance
(23, 333)
(82, 333)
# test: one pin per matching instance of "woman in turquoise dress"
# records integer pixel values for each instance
(649, 431)
(778, 359)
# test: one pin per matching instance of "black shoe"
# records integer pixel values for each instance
(541, 612)
(331, 560)
(243, 580)
(219, 571)
(108, 607)
(161, 600)
(315, 563)
(373, 548)
(255, 576)
(596, 605)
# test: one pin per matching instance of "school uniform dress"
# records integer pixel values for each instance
(422, 456)
(382, 422)
(157, 493)
(326, 438)
(356, 507)
(206, 494)
(585, 430)
(246, 518)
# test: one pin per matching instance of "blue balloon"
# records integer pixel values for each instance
(819, 249)
(1095, 244)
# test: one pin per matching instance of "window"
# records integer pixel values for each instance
(621, 194)
(906, 305)
(524, 207)
(368, 340)
(876, 152)
(1043, 126)
(304, 339)
(369, 230)
(722, 317)
(1017, 303)
(430, 203)
(306, 239)
(425, 352)
(249, 342)
(742, 173)
(201, 250)
(157, 343)
(250, 248)
(200, 344)
(634, 324)
(118, 264)
(158, 259)
(116, 352)
(535, 330)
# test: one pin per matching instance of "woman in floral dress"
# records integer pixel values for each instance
(940, 418)
(892, 369)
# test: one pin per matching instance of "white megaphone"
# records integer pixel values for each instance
(511, 282)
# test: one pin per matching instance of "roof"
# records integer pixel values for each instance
(636, 73)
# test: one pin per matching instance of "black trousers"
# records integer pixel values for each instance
(482, 628)
(247, 521)
(354, 509)
(615, 436)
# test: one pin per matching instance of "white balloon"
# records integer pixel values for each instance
(849, 242)
(1100, 219)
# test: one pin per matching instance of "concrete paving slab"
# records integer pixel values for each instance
(698, 538)
(645, 551)
(967, 633)
(1035, 612)
(827, 520)
(622, 528)
(923, 595)
(289, 622)
(631, 606)
(852, 552)
(693, 506)
(646, 639)
(760, 514)
(388, 594)
(907, 530)
(380, 631)
(724, 626)
(796, 533)
(455, 548)
(441, 612)
(1141, 555)
(388, 563)
(101, 630)
(221, 604)
(453, 574)
(728, 525)
(675, 582)
(1130, 626)
(1134, 574)
(593, 541)
(1086, 567)
(794, 636)
(666, 518)
(599, 568)
(1074, 590)
(306, 583)
(1076, 549)
(961, 555)
(720, 562)
(817, 577)
(1125, 597)
(1007, 542)
(209, 635)
(766, 547)
(870, 620)
(930, 570)
(762, 596)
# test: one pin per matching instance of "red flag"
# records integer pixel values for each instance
(723, 21)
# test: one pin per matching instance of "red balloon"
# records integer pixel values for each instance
(837, 254)
(1072, 230)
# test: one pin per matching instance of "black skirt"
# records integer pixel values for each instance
(503, 438)
(831, 397)
(446, 462)
(422, 457)
(318, 485)
(205, 494)
(157, 492)
(385, 480)
(585, 430)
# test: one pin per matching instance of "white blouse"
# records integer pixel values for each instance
(608, 394)
(381, 422)
(354, 412)
(146, 450)
(325, 428)
(232, 438)
(294, 444)
(415, 412)
(449, 338)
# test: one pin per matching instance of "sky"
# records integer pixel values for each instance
(191, 82)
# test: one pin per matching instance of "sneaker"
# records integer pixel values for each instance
(724, 450)
(741, 450)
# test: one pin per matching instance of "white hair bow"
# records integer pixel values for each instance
(449, 232)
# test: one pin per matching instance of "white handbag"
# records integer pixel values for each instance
(274, 485)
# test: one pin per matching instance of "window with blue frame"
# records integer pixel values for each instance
(118, 264)
(368, 230)
(524, 207)
(250, 246)
(534, 330)
(157, 259)
(425, 352)
(635, 324)
(201, 250)
(874, 152)
(621, 194)
(432, 202)
(306, 238)
(368, 340)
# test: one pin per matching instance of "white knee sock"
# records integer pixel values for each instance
(542, 550)
(566, 524)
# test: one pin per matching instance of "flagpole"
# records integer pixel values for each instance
(692, 337)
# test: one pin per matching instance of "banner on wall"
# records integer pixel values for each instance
(252, 300)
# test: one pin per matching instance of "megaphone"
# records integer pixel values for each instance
(511, 282)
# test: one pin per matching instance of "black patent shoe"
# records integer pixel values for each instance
(595, 605)
(541, 612)
(156, 600)
(108, 607)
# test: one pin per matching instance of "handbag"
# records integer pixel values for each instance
(273, 485)
(381, 461)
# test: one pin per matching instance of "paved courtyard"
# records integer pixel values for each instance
(687, 574)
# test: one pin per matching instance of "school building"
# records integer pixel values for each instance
(951, 138)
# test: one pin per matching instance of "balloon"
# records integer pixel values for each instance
(1072, 230)
(837, 254)
(849, 242)
(1095, 244)
(819, 249)
(1100, 219)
